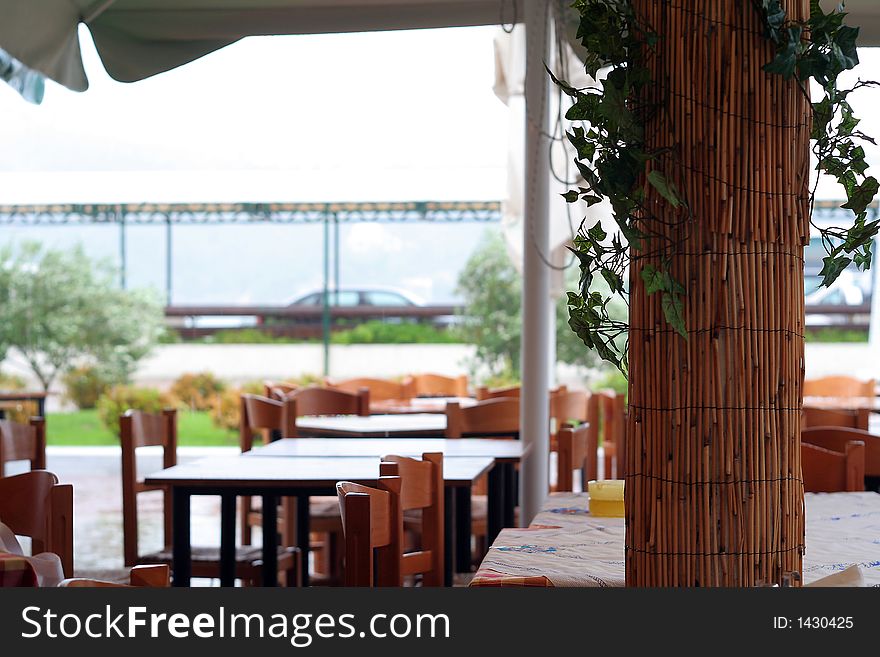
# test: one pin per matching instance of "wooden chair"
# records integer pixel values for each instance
(836, 439)
(138, 429)
(373, 521)
(421, 502)
(613, 407)
(838, 386)
(828, 471)
(575, 407)
(23, 442)
(325, 401)
(35, 505)
(484, 393)
(437, 385)
(270, 419)
(380, 389)
(577, 451)
(278, 389)
(490, 418)
(833, 417)
(152, 576)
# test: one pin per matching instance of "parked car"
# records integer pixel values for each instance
(349, 298)
(367, 298)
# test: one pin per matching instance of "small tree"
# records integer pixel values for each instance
(59, 307)
(492, 289)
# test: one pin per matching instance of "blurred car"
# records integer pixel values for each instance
(348, 298)
(370, 298)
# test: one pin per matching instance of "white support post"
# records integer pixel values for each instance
(537, 311)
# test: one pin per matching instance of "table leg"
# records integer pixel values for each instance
(495, 503)
(448, 535)
(270, 540)
(302, 534)
(181, 551)
(463, 556)
(41, 407)
(227, 539)
(511, 495)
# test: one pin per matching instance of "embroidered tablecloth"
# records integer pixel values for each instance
(565, 546)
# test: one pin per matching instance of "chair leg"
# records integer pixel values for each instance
(245, 520)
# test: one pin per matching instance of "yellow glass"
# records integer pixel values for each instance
(606, 498)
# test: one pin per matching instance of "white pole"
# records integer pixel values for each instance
(536, 306)
(874, 320)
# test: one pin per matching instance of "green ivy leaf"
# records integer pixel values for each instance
(665, 188)
(673, 310)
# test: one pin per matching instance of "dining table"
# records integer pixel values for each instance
(417, 405)
(566, 546)
(373, 426)
(502, 478)
(16, 571)
(272, 477)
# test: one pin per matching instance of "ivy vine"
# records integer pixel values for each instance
(614, 162)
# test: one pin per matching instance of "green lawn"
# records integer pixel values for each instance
(84, 428)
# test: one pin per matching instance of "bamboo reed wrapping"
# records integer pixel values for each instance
(714, 495)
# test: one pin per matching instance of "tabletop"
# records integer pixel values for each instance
(843, 403)
(417, 405)
(374, 425)
(500, 450)
(565, 546)
(21, 395)
(305, 472)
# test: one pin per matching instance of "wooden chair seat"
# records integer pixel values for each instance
(248, 562)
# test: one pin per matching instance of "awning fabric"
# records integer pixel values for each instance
(140, 38)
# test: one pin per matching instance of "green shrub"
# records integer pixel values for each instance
(613, 379)
(197, 391)
(226, 405)
(119, 399)
(21, 411)
(11, 382)
(247, 336)
(378, 332)
(835, 335)
(84, 385)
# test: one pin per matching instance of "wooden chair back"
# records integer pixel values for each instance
(372, 523)
(139, 429)
(490, 418)
(267, 416)
(23, 442)
(325, 401)
(35, 505)
(577, 450)
(278, 389)
(836, 439)
(484, 393)
(833, 417)
(828, 471)
(153, 576)
(437, 385)
(613, 409)
(838, 386)
(380, 389)
(421, 489)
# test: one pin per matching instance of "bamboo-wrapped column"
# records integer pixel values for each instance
(713, 492)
